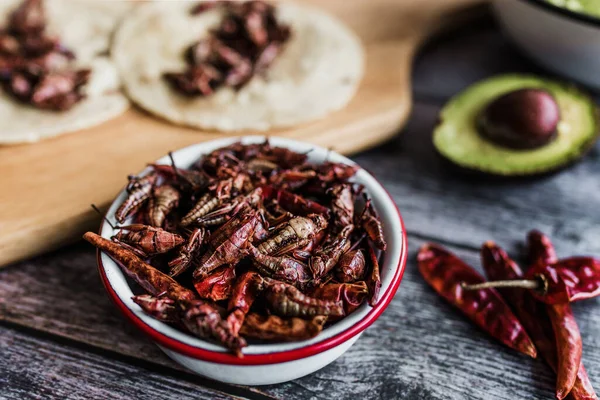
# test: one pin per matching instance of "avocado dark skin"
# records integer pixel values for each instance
(521, 119)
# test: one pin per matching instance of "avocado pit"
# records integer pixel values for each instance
(521, 119)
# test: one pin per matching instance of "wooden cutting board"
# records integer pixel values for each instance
(47, 188)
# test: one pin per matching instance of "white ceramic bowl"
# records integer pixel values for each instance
(265, 363)
(563, 41)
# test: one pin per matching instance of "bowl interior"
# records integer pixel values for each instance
(184, 158)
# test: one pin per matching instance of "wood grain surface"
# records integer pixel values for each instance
(54, 371)
(62, 338)
(48, 187)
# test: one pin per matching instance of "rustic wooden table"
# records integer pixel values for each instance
(61, 338)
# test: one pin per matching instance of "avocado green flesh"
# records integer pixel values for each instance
(590, 7)
(457, 139)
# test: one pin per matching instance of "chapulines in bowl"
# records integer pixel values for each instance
(253, 242)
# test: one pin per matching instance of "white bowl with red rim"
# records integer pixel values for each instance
(264, 364)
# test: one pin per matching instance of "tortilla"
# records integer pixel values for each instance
(85, 27)
(318, 71)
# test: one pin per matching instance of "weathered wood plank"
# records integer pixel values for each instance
(61, 293)
(419, 349)
(33, 368)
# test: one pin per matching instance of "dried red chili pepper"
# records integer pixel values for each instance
(539, 320)
(445, 272)
(569, 347)
(148, 277)
(567, 280)
(217, 285)
(244, 293)
(541, 251)
(532, 314)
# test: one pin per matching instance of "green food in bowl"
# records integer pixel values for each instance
(590, 7)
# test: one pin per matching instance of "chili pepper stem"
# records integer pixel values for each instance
(517, 283)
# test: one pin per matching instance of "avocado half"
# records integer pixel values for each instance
(457, 139)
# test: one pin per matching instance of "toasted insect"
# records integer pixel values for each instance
(139, 190)
(228, 244)
(287, 301)
(294, 233)
(274, 328)
(187, 253)
(372, 225)
(164, 199)
(205, 205)
(328, 255)
(147, 240)
(351, 266)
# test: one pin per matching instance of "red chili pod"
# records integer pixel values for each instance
(539, 321)
(148, 277)
(244, 293)
(217, 285)
(541, 251)
(566, 281)
(532, 314)
(568, 346)
(445, 272)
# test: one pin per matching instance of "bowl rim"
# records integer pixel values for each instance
(276, 356)
(579, 17)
